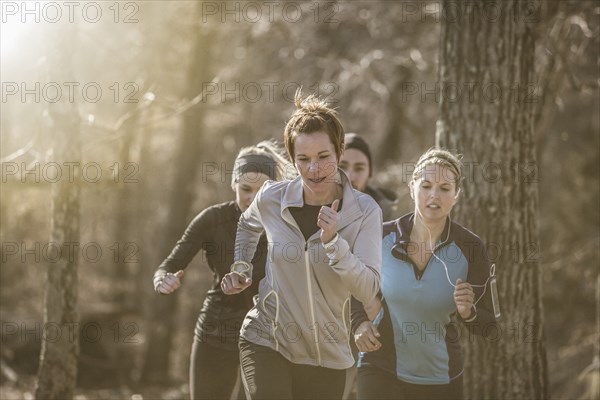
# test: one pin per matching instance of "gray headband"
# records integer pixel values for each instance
(255, 163)
(447, 163)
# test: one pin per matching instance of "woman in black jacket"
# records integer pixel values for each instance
(215, 357)
(356, 163)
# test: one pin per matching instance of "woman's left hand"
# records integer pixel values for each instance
(372, 308)
(327, 221)
(464, 298)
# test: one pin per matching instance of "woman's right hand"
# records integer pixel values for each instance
(366, 336)
(170, 282)
(234, 283)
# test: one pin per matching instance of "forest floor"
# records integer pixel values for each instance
(23, 389)
(571, 376)
(564, 365)
(570, 369)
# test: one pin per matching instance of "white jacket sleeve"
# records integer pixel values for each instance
(249, 230)
(359, 268)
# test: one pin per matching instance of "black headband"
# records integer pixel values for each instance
(255, 163)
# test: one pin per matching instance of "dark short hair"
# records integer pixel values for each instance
(354, 141)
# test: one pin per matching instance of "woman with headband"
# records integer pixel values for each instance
(324, 246)
(434, 274)
(215, 357)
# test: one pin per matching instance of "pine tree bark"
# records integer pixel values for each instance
(60, 345)
(487, 100)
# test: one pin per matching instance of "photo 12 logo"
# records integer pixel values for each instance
(269, 92)
(453, 11)
(256, 11)
(53, 332)
(488, 172)
(470, 92)
(53, 92)
(69, 171)
(54, 252)
(53, 12)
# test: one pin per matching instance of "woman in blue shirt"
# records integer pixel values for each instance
(434, 275)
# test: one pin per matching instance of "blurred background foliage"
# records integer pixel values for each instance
(230, 83)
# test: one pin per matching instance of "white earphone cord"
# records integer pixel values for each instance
(492, 268)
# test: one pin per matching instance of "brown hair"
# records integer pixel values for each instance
(312, 115)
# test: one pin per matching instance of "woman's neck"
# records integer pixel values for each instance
(427, 231)
(327, 197)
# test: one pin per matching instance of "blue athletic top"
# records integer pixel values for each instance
(418, 322)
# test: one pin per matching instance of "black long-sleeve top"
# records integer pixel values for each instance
(213, 230)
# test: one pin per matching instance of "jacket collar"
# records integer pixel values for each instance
(293, 197)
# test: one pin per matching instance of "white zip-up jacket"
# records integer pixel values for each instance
(303, 308)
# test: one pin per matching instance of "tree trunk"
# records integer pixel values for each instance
(124, 269)
(487, 106)
(400, 125)
(60, 347)
(156, 365)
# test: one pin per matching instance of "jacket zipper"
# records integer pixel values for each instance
(310, 294)
(310, 300)
(436, 248)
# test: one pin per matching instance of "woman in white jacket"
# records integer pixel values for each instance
(324, 246)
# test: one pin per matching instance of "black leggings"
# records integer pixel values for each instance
(374, 383)
(268, 375)
(213, 371)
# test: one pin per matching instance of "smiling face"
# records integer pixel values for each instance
(246, 188)
(435, 192)
(356, 165)
(316, 162)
